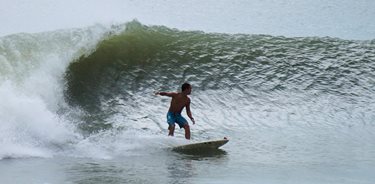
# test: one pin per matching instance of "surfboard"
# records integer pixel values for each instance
(201, 146)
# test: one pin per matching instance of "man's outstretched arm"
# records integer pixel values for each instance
(170, 94)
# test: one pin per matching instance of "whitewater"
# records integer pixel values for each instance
(77, 105)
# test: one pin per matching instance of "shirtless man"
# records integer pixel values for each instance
(179, 101)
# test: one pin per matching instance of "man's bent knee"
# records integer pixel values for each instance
(171, 126)
(171, 130)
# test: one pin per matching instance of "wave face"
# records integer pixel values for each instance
(235, 75)
(95, 87)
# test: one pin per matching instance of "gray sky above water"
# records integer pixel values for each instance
(348, 19)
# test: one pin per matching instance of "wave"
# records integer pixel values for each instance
(126, 68)
(90, 91)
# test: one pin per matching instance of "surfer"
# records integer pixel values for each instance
(178, 102)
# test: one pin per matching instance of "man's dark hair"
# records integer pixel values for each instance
(185, 86)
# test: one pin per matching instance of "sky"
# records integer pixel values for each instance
(347, 19)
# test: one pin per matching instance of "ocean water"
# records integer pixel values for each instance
(78, 105)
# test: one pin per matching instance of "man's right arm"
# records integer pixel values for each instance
(170, 94)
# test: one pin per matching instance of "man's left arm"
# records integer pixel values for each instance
(188, 112)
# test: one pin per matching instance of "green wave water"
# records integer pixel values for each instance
(296, 110)
(142, 59)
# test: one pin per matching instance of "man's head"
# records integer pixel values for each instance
(186, 88)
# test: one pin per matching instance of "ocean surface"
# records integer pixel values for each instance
(77, 105)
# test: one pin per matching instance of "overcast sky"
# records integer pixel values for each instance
(348, 19)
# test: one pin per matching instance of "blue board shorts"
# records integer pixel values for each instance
(173, 118)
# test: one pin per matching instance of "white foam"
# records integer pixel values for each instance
(26, 122)
(31, 90)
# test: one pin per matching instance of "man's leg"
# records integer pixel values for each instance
(171, 130)
(187, 131)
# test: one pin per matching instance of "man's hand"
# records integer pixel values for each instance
(192, 119)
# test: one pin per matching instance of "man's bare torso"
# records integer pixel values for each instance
(179, 101)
